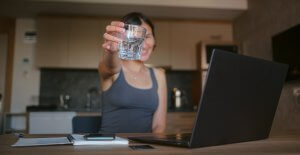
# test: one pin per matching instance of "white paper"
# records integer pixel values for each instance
(79, 140)
(76, 140)
(41, 141)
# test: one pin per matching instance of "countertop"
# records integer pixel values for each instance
(283, 144)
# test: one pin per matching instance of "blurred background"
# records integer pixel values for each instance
(50, 49)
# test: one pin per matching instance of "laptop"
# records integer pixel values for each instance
(238, 102)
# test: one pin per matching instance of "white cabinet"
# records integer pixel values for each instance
(50, 122)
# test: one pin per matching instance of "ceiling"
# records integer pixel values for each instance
(172, 9)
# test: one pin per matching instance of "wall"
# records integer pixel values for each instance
(253, 31)
(26, 77)
(3, 55)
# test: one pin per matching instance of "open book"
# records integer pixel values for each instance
(74, 139)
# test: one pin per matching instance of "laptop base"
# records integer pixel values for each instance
(181, 140)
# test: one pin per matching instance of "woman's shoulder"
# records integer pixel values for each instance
(158, 70)
(160, 73)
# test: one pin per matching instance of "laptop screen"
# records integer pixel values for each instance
(239, 100)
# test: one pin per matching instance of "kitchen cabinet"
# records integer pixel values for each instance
(161, 56)
(61, 122)
(85, 42)
(50, 122)
(69, 42)
(52, 42)
(183, 46)
(76, 42)
(185, 36)
(55, 122)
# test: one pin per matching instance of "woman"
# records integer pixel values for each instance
(134, 96)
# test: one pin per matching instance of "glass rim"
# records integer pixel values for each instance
(140, 28)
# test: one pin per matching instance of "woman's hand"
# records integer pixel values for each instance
(111, 40)
(110, 63)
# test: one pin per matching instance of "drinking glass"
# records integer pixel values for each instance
(132, 42)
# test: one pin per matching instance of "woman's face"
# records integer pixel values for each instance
(149, 43)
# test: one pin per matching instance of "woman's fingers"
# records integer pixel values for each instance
(115, 26)
(110, 46)
(112, 41)
(106, 45)
(117, 23)
(109, 37)
(111, 28)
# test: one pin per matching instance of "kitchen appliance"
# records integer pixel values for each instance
(179, 99)
(93, 98)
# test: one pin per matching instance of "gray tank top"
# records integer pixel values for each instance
(126, 109)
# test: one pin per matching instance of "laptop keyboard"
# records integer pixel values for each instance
(174, 139)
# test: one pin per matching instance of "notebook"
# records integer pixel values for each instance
(238, 102)
(74, 139)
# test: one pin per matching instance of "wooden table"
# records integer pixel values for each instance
(283, 145)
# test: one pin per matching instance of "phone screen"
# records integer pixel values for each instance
(99, 136)
(141, 147)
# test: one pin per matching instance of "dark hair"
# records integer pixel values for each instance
(136, 18)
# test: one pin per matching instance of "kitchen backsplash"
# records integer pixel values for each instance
(77, 83)
(184, 81)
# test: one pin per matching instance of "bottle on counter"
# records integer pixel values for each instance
(176, 98)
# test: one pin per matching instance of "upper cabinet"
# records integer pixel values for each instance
(52, 42)
(186, 36)
(183, 46)
(76, 42)
(69, 42)
(85, 42)
(161, 56)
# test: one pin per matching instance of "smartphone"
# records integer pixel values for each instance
(141, 147)
(100, 136)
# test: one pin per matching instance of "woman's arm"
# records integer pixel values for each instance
(110, 64)
(159, 118)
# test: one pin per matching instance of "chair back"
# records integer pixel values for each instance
(86, 124)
